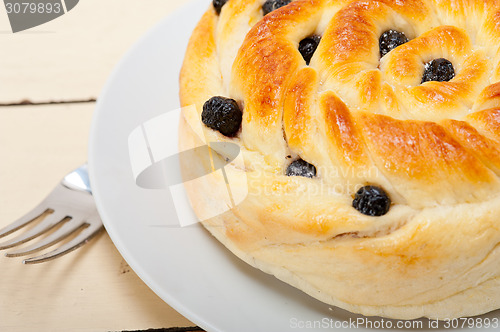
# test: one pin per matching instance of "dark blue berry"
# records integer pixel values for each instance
(301, 168)
(372, 201)
(440, 70)
(391, 39)
(222, 114)
(218, 4)
(308, 46)
(272, 5)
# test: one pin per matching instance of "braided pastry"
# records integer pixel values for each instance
(369, 136)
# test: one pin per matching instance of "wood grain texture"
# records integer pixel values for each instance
(91, 289)
(71, 57)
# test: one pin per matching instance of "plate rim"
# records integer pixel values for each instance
(170, 300)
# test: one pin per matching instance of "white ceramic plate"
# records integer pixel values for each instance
(185, 266)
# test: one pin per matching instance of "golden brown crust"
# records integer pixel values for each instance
(434, 147)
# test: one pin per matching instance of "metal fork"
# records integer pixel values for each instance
(71, 206)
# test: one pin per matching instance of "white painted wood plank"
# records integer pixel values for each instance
(71, 57)
(91, 289)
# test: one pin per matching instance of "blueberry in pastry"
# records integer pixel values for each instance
(308, 46)
(368, 173)
(440, 70)
(218, 4)
(222, 114)
(391, 39)
(272, 5)
(301, 168)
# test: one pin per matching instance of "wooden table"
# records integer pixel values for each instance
(59, 69)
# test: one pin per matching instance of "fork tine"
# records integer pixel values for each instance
(46, 224)
(86, 235)
(66, 230)
(24, 220)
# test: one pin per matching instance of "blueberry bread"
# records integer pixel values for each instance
(369, 137)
